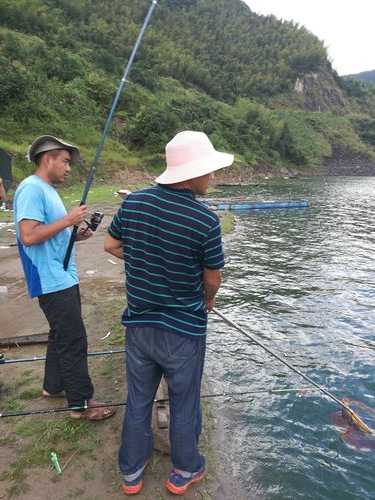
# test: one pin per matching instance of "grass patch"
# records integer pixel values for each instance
(40, 438)
(25, 380)
(10, 403)
(110, 311)
(31, 393)
(7, 440)
(98, 194)
(112, 368)
(227, 222)
(17, 489)
(107, 368)
(117, 336)
(13, 404)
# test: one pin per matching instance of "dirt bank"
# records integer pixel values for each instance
(87, 451)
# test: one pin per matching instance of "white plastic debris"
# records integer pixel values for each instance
(106, 336)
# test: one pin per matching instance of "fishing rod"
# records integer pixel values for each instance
(51, 411)
(107, 126)
(4, 361)
(355, 418)
(362, 346)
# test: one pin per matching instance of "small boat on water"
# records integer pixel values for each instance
(243, 204)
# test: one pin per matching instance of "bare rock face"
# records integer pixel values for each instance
(346, 162)
(320, 92)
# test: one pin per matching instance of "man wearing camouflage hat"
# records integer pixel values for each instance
(42, 227)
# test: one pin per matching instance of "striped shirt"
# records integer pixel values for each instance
(168, 239)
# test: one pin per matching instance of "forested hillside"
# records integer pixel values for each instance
(364, 76)
(259, 87)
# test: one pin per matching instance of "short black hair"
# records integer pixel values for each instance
(52, 152)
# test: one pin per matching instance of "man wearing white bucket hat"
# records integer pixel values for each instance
(172, 248)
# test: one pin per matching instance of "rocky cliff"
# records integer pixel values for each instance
(345, 162)
(319, 91)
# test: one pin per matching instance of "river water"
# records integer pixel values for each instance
(304, 281)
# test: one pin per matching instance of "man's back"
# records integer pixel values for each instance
(168, 239)
(172, 248)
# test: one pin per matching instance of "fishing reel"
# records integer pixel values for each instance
(94, 222)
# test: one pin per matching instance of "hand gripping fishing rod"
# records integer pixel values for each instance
(107, 126)
(354, 417)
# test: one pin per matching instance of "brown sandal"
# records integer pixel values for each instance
(94, 414)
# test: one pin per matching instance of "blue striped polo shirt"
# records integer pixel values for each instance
(168, 238)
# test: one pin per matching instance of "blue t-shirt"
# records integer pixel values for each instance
(168, 239)
(37, 200)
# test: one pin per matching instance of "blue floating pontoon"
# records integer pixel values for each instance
(256, 205)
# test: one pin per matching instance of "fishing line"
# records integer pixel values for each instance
(107, 126)
(356, 419)
(51, 411)
(371, 347)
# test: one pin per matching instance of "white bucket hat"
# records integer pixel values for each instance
(189, 155)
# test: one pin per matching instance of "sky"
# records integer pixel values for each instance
(345, 26)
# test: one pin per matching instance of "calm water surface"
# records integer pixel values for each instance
(304, 280)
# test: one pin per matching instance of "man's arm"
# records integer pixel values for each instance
(113, 246)
(33, 232)
(211, 285)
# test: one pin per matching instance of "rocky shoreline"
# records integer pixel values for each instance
(343, 162)
(346, 162)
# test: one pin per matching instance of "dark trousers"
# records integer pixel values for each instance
(66, 363)
(150, 353)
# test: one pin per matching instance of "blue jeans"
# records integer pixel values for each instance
(151, 353)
